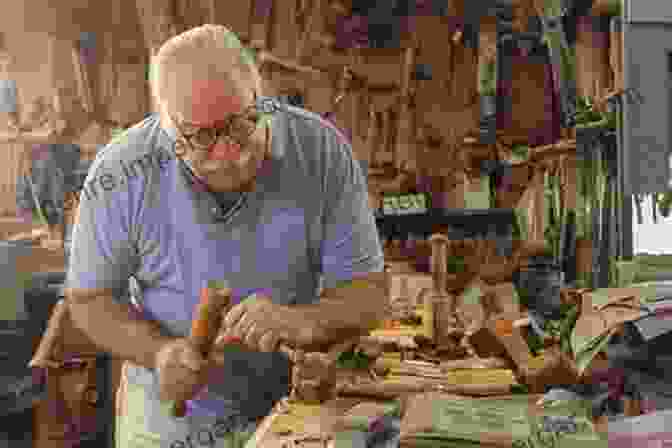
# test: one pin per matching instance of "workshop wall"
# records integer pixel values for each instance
(402, 124)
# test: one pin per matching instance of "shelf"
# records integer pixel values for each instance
(476, 221)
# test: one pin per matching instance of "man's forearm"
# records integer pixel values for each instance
(352, 308)
(112, 327)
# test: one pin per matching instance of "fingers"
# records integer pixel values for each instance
(180, 383)
(181, 371)
(251, 337)
(269, 342)
(191, 359)
(242, 328)
(231, 318)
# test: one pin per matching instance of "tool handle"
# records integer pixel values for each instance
(204, 328)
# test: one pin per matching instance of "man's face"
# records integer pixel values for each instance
(226, 165)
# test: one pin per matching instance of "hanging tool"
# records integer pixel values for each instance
(553, 25)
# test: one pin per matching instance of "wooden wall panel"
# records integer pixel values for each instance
(530, 109)
(235, 15)
(285, 30)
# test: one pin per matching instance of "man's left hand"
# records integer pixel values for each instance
(261, 325)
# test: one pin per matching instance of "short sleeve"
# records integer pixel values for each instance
(351, 244)
(102, 253)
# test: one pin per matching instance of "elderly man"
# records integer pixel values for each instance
(215, 187)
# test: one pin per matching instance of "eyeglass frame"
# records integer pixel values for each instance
(264, 113)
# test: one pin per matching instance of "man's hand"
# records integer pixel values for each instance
(262, 325)
(181, 369)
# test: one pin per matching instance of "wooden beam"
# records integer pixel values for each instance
(564, 147)
(268, 57)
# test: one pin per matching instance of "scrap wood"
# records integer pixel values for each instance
(264, 57)
(290, 422)
(392, 389)
(395, 341)
(474, 363)
(563, 147)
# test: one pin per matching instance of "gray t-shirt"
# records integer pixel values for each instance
(308, 220)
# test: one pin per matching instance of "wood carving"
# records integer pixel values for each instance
(447, 324)
(405, 144)
(315, 375)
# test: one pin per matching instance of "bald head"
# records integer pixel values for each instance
(203, 71)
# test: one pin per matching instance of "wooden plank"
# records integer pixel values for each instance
(261, 23)
(304, 421)
(285, 30)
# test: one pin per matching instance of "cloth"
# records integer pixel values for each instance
(135, 404)
(308, 218)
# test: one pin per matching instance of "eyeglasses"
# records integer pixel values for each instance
(238, 128)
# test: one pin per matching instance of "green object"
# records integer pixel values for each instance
(345, 439)
(534, 342)
(118, 135)
(519, 389)
(462, 423)
(12, 305)
(218, 284)
(362, 423)
(626, 273)
(584, 357)
(651, 268)
(614, 8)
(455, 264)
(472, 296)
(521, 152)
(487, 82)
(36, 201)
(602, 296)
(353, 360)
(521, 219)
(566, 329)
(249, 56)
(479, 199)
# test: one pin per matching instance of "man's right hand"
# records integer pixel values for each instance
(182, 370)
